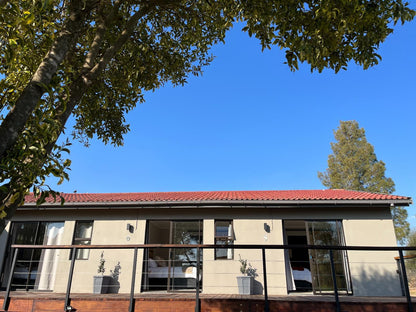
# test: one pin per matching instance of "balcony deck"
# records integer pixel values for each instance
(21, 301)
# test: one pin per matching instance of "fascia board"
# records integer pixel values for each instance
(217, 203)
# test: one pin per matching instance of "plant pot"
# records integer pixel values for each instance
(245, 285)
(102, 284)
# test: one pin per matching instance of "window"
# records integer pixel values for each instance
(224, 235)
(172, 262)
(34, 268)
(82, 236)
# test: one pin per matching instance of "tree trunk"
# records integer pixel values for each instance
(15, 120)
(86, 76)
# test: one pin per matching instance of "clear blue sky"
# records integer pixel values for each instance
(250, 124)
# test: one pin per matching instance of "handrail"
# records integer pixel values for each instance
(209, 246)
(262, 247)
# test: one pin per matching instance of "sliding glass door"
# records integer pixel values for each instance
(327, 233)
(35, 268)
(172, 268)
(184, 233)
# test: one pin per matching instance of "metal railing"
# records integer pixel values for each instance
(200, 247)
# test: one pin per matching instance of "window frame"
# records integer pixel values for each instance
(227, 240)
(82, 241)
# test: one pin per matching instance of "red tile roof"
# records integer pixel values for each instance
(178, 197)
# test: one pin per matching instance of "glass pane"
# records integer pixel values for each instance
(82, 254)
(223, 236)
(222, 228)
(224, 253)
(35, 266)
(82, 236)
(186, 233)
(326, 233)
(83, 229)
(24, 233)
(28, 259)
(172, 268)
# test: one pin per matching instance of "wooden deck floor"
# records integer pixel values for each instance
(21, 301)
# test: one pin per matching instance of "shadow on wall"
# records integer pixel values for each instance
(257, 288)
(368, 282)
(5, 252)
(376, 282)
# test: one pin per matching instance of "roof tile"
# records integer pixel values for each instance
(289, 195)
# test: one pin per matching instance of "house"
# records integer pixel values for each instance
(298, 217)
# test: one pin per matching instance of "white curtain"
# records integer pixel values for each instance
(290, 281)
(230, 234)
(49, 258)
(85, 231)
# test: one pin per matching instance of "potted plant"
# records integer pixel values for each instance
(101, 282)
(246, 282)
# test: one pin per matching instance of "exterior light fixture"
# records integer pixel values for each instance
(130, 228)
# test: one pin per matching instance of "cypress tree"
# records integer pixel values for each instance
(353, 165)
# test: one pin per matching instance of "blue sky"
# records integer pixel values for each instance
(249, 123)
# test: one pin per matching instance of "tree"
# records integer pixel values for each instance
(353, 165)
(410, 263)
(411, 240)
(94, 60)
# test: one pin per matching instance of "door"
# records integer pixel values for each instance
(172, 268)
(35, 268)
(184, 233)
(326, 233)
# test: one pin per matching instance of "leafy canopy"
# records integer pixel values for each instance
(353, 165)
(95, 59)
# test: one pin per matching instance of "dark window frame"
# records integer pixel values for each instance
(11, 239)
(82, 241)
(224, 239)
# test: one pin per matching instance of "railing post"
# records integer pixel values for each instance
(399, 271)
(334, 279)
(133, 281)
(197, 301)
(405, 282)
(9, 282)
(266, 298)
(67, 307)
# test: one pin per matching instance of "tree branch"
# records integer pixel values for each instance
(10, 200)
(102, 23)
(77, 89)
(16, 119)
(80, 85)
(118, 44)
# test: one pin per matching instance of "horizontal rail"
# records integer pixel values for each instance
(263, 247)
(210, 246)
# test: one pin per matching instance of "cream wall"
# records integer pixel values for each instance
(220, 276)
(362, 226)
(373, 273)
(105, 232)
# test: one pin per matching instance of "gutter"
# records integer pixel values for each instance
(216, 204)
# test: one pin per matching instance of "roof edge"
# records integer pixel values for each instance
(285, 203)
